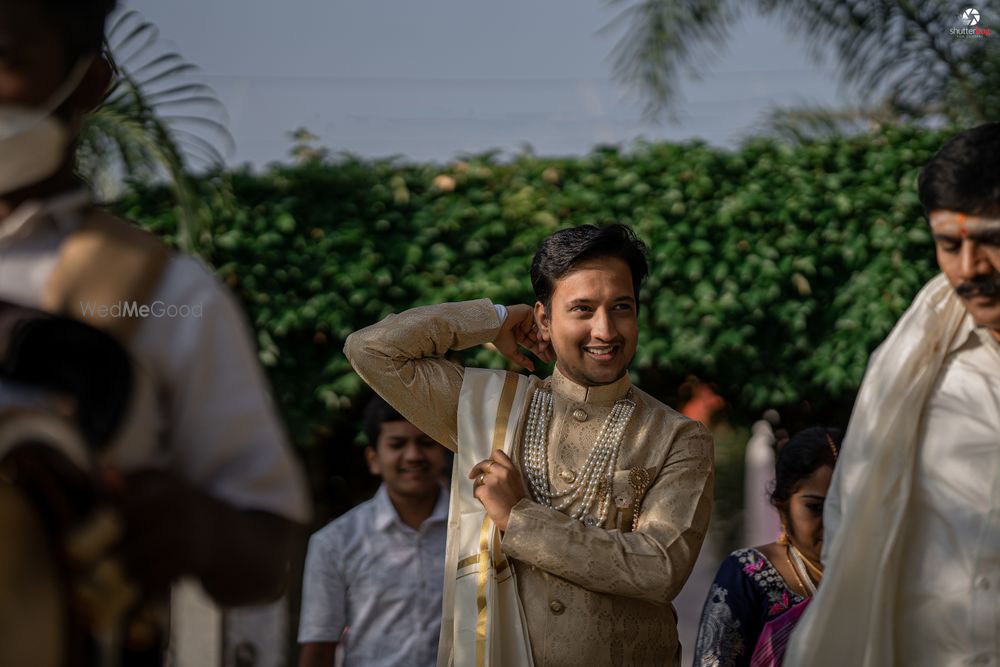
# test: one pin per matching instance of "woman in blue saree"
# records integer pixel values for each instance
(759, 593)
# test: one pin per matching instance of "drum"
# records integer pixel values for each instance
(33, 597)
(65, 600)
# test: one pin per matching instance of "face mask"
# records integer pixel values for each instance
(32, 141)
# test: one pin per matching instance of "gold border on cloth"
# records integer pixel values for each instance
(499, 435)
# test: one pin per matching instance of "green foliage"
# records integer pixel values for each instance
(727, 514)
(775, 270)
(155, 125)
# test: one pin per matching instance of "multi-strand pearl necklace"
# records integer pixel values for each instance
(593, 484)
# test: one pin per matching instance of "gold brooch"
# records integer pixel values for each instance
(638, 478)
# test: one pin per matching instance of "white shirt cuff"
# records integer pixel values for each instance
(501, 312)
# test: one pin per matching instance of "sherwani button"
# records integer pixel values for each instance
(983, 583)
(567, 476)
(557, 607)
(580, 415)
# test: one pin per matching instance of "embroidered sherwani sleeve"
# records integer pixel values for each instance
(402, 359)
(651, 563)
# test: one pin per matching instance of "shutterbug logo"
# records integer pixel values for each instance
(970, 25)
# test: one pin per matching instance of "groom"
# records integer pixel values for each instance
(602, 505)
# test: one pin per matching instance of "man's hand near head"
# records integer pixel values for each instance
(498, 483)
(520, 330)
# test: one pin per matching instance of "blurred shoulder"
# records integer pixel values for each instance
(666, 419)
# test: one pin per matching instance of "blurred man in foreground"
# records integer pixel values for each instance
(200, 468)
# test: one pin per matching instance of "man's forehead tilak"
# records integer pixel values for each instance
(950, 223)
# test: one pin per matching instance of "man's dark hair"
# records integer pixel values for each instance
(378, 412)
(964, 176)
(81, 23)
(561, 252)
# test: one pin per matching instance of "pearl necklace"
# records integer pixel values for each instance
(593, 484)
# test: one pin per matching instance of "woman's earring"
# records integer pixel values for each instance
(783, 538)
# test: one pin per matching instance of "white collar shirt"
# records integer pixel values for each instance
(948, 596)
(375, 584)
(200, 405)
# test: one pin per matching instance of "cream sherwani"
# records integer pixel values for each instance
(591, 596)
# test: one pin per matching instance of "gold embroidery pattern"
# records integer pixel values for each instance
(639, 479)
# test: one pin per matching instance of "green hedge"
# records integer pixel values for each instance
(775, 269)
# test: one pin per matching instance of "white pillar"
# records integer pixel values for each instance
(257, 636)
(761, 524)
(195, 627)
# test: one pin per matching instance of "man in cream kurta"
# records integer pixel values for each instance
(912, 521)
(592, 595)
(952, 554)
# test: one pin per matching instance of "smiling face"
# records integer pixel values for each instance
(804, 514)
(968, 252)
(409, 461)
(591, 321)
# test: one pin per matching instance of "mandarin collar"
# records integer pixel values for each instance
(605, 394)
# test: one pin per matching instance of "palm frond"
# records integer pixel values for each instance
(158, 124)
(663, 38)
(902, 50)
(900, 53)
(802, 124)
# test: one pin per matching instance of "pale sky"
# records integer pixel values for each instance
(434, 79)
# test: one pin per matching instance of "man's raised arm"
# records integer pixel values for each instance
(402, 358)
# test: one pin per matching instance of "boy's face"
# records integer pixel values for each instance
(32, 56)
(409, 461)
(591, 322)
